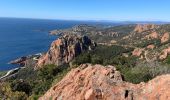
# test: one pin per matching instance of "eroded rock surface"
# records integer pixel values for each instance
(97, 82)
(65, 48)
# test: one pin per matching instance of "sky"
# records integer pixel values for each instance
(115, 10)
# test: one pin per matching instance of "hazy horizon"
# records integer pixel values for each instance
(114, 21)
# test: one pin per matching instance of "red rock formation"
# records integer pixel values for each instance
(151, 46)
(143, 27)
(137, 52)
(154, 35)
(164, 54)
(64, 49)
(99, 82)
(165, 37)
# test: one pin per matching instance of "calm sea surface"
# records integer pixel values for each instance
(21, 37)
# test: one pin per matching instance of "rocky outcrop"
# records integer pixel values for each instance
(97, 82)
(29, 60)
(165, 37)
(143, 27)
(65, 48)
(151, 46)
(20, 61)
(164, 53)
(137, 52)
(153, 35)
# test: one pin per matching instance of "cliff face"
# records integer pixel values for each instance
(97, 82)
(65, 48)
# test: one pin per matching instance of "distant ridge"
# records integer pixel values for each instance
(105, 21)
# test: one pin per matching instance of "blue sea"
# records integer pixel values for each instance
(22, 37)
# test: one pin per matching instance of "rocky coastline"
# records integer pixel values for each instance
(21, 62)
(128, 62)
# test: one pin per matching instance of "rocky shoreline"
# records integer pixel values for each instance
(22, 62)
(10, 73)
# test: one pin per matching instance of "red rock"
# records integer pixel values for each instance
(151, 46)
(165, 37)
(154, 35)
(64, 49)
(165, 53)
(90, 82)
(137, 52)
(144, 27)
(89, 95)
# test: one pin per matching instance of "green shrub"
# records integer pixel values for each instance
(33, 83)
(124, 61)
(96, 59)
(136, 74)
(82, 58)
(167, 60)
(33, 97)
(21, 86)
(102, 55)
(6, 93)
(2, 73)
(47, 72)
(156, 42)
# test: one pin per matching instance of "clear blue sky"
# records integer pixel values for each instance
(117, 10)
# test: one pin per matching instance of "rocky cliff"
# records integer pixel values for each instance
(65, 48)
(97, 82)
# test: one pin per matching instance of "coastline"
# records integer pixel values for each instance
(22, 62)
(10, 73)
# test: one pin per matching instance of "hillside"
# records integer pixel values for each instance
(139, 53)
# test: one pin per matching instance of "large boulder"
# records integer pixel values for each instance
(65, 48)
(97, 82)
